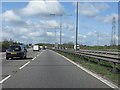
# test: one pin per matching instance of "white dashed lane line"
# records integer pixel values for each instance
(28, 62)
(40, 53)
(19, 68)
(5, 79)
(37, 56)
(34, 58)
(24, 65)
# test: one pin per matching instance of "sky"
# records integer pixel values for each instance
(36, 22)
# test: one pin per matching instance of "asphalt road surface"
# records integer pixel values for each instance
(46, 69)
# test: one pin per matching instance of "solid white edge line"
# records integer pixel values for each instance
(91, 73)
(24, 65)
(5, 79)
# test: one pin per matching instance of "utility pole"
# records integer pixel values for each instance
(56, 45)
(55, 35)
(61, 16)
(98, 35)
(60, 30)
(76, 25)
(113, 41)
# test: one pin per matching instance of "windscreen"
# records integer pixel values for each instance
(15, 48)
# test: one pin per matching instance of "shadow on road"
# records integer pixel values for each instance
(28, 58)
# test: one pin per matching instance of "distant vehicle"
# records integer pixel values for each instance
(53, 47)
(41, 47)
(36, 48)
(16, 51)
(78, 47)
(45, 47)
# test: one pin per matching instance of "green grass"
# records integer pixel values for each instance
(112, 48)
(103, 70)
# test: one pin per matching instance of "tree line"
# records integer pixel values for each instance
(6, 43)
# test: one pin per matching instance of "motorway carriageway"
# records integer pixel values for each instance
(48, 69)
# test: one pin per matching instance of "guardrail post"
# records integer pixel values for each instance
(81, 57)
(88, 59)
(114, 70)
(85, 59)
(98, 61)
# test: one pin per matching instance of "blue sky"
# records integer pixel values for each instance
(30, 22)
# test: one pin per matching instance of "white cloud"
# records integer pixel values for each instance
(82, 36)
(101, 6)
(52, 24)
(42, 7)
(71, 27)
(68, 26)
(92, 33)
(50, 34)
(92, 9)
(10, 15)
(34, 34)
(107, 18)
(12, 18)
(87, 9)
(116, 37)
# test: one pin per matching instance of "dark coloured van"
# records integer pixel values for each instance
(16, 51)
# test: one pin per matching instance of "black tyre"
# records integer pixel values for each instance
(7, 58)
(25, 56)
(21, 57)
(11, 57)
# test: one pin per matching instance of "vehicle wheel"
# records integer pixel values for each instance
(7, 58)
(25, 56)
(11, 57)
(21, 57)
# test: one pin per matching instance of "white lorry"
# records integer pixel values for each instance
(78, 47)
(45, 47)
(36, 48)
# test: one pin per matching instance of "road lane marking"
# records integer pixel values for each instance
(34, 58)
(5, 79)
(24, 65)
(37, 56)
(40, 53)
(91, 73)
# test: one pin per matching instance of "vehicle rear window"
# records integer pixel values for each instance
(15, 48)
